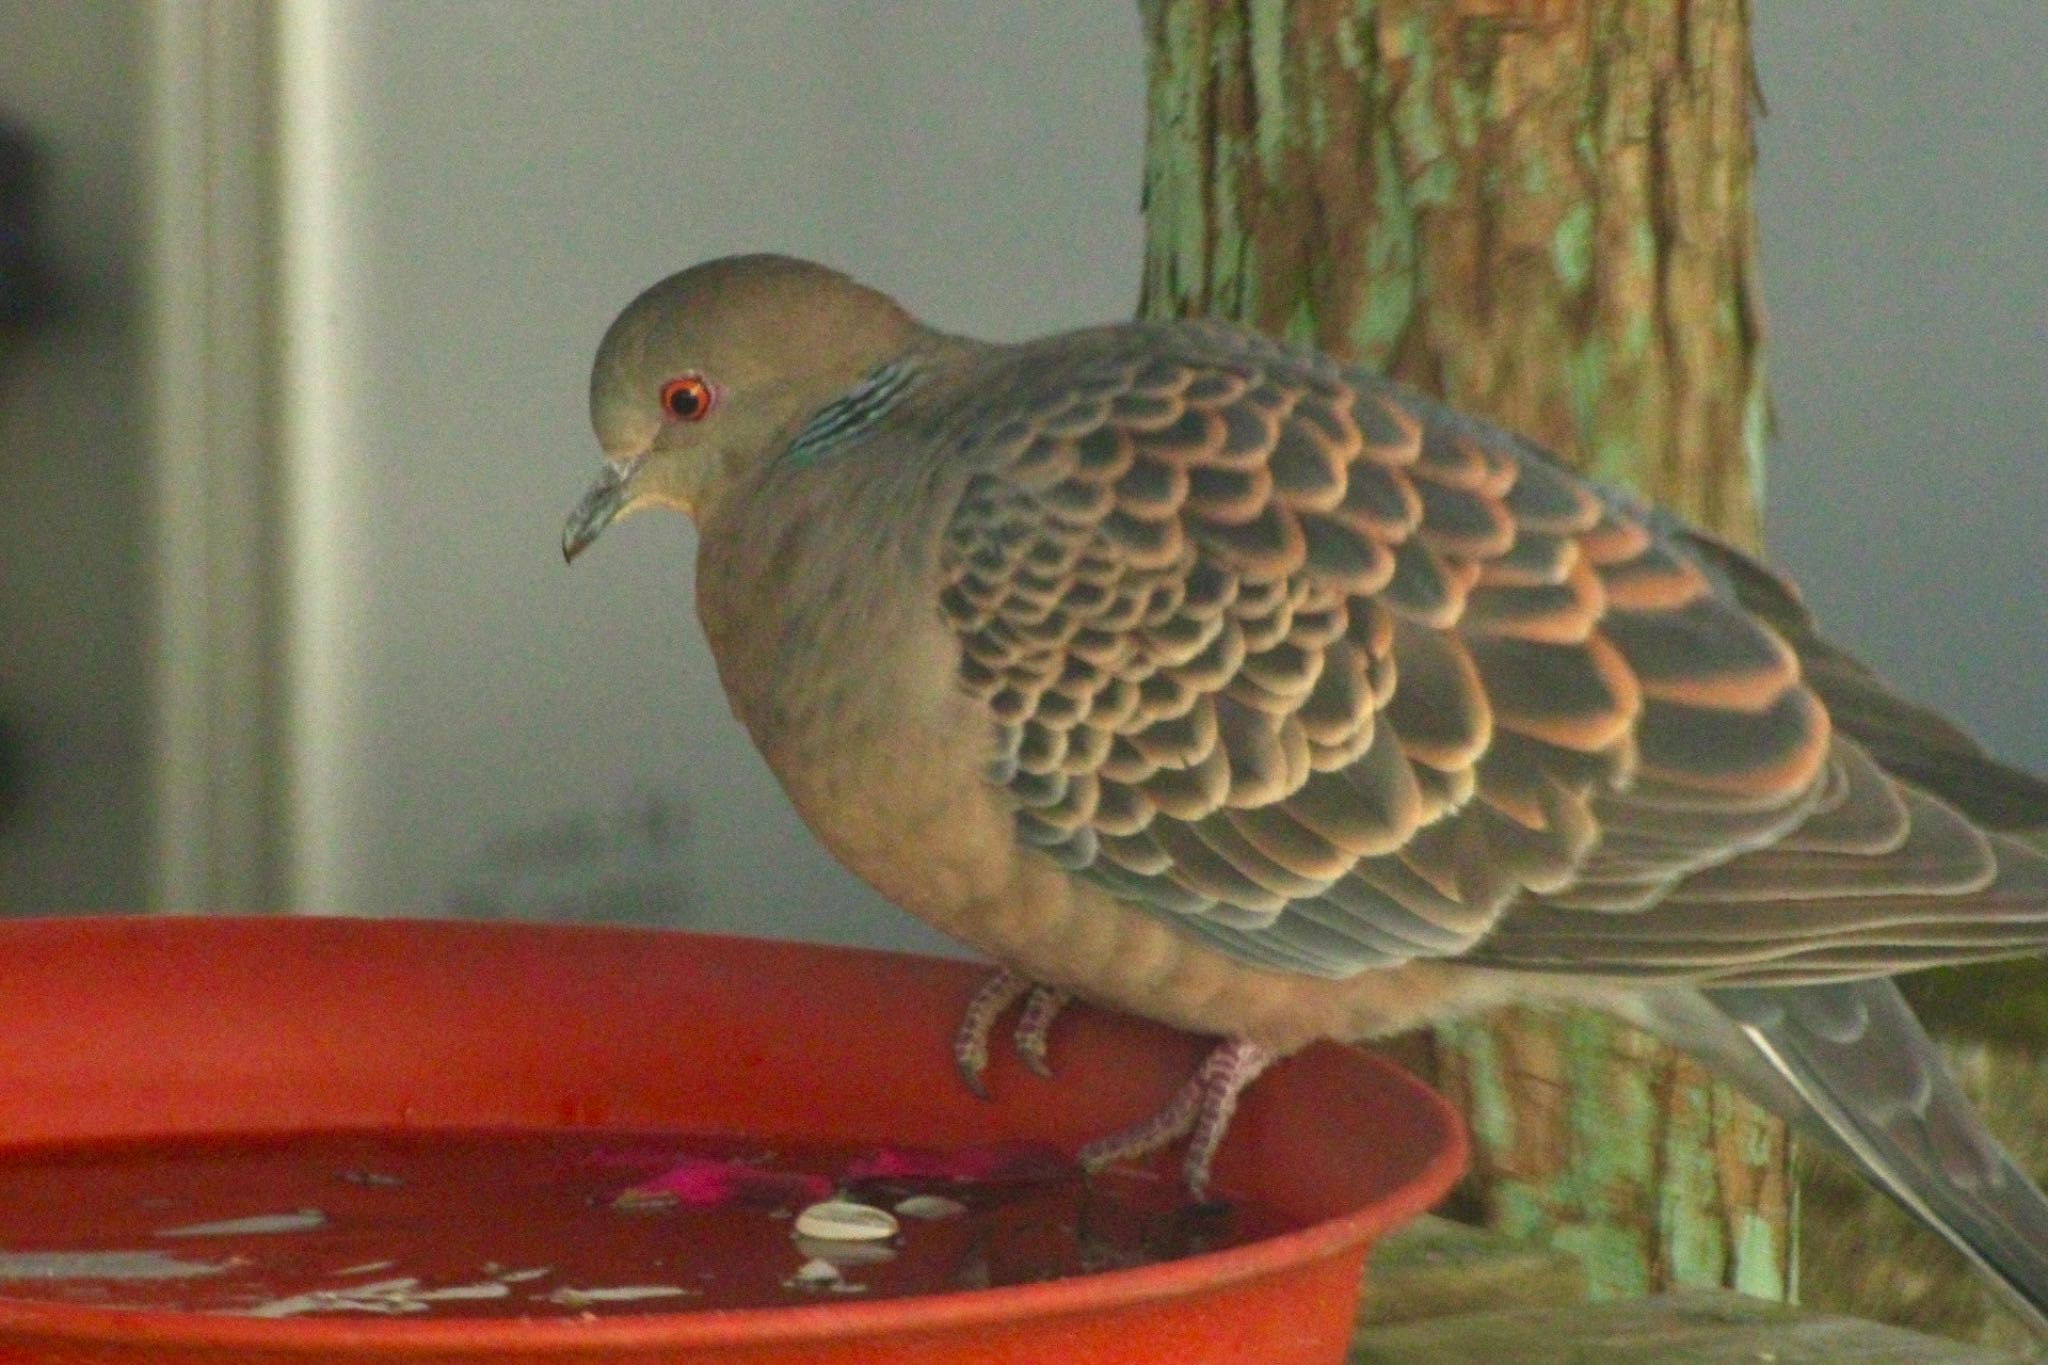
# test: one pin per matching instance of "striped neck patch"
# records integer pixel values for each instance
(851, 413)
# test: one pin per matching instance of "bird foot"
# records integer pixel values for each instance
(1201, 1112)
(1042, 1005)
(1034, 1027)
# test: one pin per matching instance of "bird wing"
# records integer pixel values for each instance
(1334, 677)
(1907, 739)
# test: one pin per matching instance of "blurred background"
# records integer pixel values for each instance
(295, 331)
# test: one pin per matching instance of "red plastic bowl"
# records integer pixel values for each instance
(145, 1027)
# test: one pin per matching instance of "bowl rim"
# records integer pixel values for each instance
(1081, 1295)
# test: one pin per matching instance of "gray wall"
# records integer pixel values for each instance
(74, 475)
(524, 738)
(1905, 240)
(503, 735)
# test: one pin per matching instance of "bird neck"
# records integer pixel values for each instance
(827, 560)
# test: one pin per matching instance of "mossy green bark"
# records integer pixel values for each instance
(1540, 209)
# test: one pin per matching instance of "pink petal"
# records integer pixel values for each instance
(702, 1182)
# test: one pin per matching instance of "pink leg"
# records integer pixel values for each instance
(1034, 1026)
(1227, 1071)
(1042, 1005)
(970, 1040)
(1200, 1111)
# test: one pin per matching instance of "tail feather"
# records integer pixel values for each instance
(1848, 1065)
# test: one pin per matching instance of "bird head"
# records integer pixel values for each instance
(714, 370)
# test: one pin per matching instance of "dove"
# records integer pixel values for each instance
(1200, 676)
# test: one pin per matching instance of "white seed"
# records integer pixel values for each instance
(263, 1224)
(930, 1207)
(624, 1293)
(815, 1273)
(842, 1220)
(366, 1268)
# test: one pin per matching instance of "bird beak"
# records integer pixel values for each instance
(600, 506)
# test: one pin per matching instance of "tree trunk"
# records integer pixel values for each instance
(1541, 210)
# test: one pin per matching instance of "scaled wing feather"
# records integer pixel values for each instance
(1333, 677)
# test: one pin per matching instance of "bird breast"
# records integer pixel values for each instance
(817, 590)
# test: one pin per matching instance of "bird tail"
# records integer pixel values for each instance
(1847, 1064)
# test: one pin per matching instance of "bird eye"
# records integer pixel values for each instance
(686, 398)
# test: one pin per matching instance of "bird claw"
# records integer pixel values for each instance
(984, 1007)
(1034, 1027)
(1042, 1005)
(1200, 1111)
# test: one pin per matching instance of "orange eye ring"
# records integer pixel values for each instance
(687, 398)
